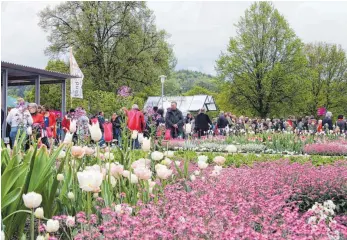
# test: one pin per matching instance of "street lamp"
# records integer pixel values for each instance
(162, 79)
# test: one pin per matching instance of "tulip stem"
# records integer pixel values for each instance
(32, 225)
(89, 200)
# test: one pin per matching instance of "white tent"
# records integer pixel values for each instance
(184, 103)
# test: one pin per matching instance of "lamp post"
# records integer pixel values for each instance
(162, 79)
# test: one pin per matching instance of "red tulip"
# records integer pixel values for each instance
(108, 134)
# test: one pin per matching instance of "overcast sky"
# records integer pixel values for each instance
(199, 30)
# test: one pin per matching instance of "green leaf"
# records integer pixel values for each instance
(10, 198)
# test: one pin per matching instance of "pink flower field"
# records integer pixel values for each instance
(268, 201)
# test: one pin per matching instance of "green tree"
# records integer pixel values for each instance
(115, 43)
(264, 63)
(327, 77)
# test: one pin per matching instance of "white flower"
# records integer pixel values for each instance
(95, 132)
(113, 181)
(158, 166)
(157, 156)
(329, 204)
(2, 235)
(231, 149)
(109, 156)
(151, 183)
(188, 128)
(61, 155)
(143, 173)
(178, 163)
(95, 195)
(60, 177)
(29, 130)
(32, 200)
(140, 137)
(163, 172)
(203, 158)
(70, 221)
(73, 127)
(182, 219)
(166, 162)
(219, 160)
(90, 180)
(146, 144)
(126, 173)
(118, 208)
(52, 225)
(38, 238)
(134, 134)
(202, 164)
(169, 154)
(133, 179)
(39, 213)
(197, 172)
(141, 163)
(70, 195)
(68, 137)
(129, 210)
(218, 168)
(192, 178)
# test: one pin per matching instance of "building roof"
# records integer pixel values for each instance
(25, 75)
(184, 103)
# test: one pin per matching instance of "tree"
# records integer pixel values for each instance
(327, 76)
(115, 43)
(264, 63)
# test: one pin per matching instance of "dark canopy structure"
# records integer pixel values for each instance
(17, 75)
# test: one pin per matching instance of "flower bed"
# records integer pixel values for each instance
(242, 203)
(327, 148)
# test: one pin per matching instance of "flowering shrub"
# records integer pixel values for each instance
(252, 147)
(124, 91)
(327, 148)
(236, 203)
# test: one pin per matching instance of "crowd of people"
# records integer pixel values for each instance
(42, 123)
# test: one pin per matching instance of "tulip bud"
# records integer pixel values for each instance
(29, 130)
(60, 177)
(192, 178)
(39, 213)
(70, 221)
(95, 195)
(73, 127)
(70, 195)
(40, 238)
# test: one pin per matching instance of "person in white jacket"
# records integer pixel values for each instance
(19, 118)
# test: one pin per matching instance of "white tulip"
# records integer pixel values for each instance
(218, 168)
(133, 179)
(140, 137)
(151, 183)
(158, 166)
(134, 134)
(188, 128)
(40, 238)
(192, 178)
(141, 163)
(169, 154)
(68, 137)
(32, 200)
(2, 235)
(39, 213)
(146, 144)
(95, 132)
(52, 225)
(73, 127)
(70, 221)
(60, 177)
(61, 155)
(197, 172)
(90, 180)
(118, 208)
(126, 173)
(202, 164)
(231, 149)
(29, 130)
(203, 158)
(113, 181)
(157, 156)
(143, 173)
(219, 160)
(70, 195)
(164, 173)
(129, 210)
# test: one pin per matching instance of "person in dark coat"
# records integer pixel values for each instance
(202, 123)
(341, 123)
(116, 121)
(327, 121)
(174, 121)
(222, 123)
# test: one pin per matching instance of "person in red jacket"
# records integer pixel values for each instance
(135, 122)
